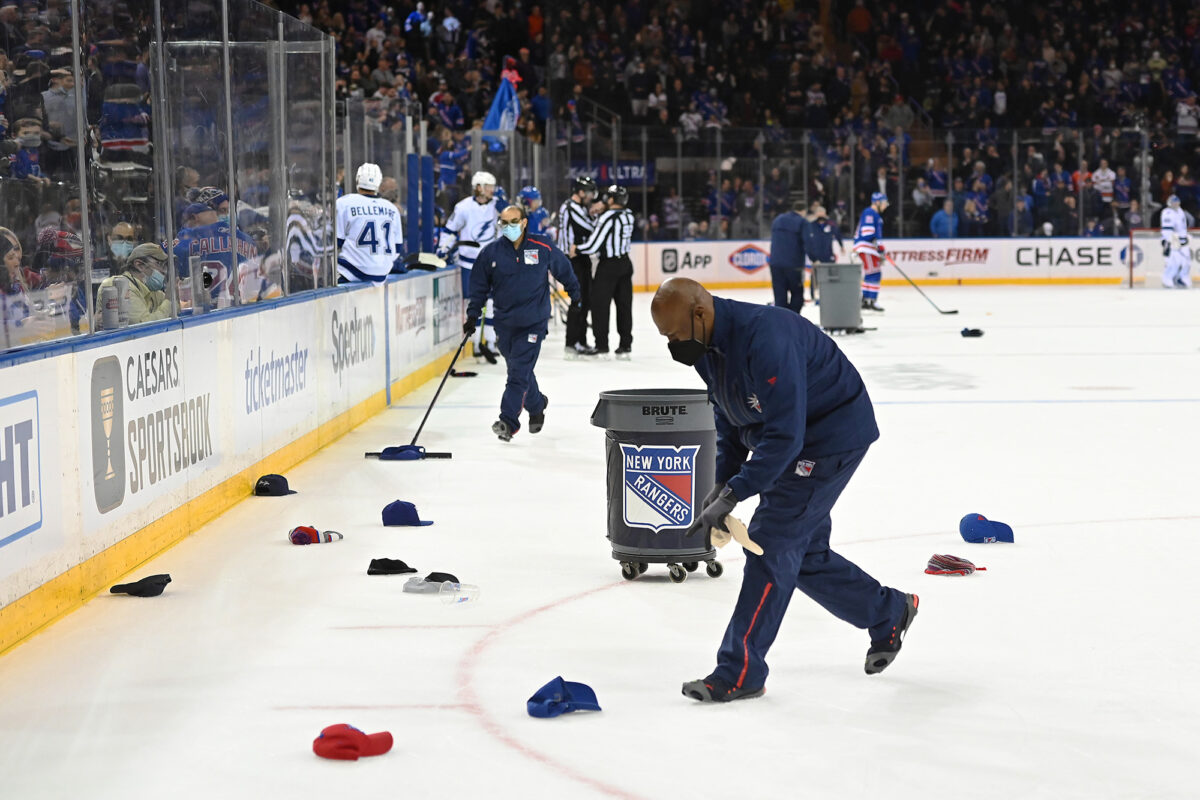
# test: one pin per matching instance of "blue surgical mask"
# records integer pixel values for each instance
(511, 232)
(121, 249)
(155, 281)
(223, 218)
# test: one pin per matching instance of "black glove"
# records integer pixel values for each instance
(577, 305)
(1166, 245)
(712, 495)
(469, 326)
(713, 515)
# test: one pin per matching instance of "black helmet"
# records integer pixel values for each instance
(618, 194)
(584, 183)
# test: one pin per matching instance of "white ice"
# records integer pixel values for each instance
(1067, 670)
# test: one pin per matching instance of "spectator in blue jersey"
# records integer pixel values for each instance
(944, 224)
(25, 164)
(205, 245)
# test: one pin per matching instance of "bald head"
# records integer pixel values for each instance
(683, 309)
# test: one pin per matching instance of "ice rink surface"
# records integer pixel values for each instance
(1067, 670)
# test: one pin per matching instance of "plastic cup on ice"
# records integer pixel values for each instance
(454, 593)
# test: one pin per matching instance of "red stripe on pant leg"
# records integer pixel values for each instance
(745, 648)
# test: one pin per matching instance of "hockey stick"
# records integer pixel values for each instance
(412, 451)
(918, 288)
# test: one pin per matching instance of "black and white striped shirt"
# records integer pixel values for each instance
(574, 225)
(613, 234)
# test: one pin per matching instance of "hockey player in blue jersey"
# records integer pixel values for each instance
(205, 244)
(868, 246)
(531, 200)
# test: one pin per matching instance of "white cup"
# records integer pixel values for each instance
(458, 592)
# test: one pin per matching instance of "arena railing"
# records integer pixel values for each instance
(235, 96)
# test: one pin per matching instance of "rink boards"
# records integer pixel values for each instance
(1058, 260)
(114, 447)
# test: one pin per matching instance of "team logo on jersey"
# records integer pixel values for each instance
(531, 256)
(752, 401)
(658, 485)
(749, 258)
(805, 468)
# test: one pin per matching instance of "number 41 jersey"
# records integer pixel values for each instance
(369, 237)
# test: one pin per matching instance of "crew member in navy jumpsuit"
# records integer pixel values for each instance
(514, 270)
(793, 423)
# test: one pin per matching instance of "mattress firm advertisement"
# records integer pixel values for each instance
(736, 262)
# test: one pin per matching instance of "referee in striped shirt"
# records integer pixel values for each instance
(575, 224)
(613, 280)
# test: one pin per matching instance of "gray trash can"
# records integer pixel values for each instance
(662, 447)
(841, 297)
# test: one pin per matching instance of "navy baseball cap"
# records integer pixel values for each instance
(978, 529)
(559, 696)
(402, 512)
(194, 209)
(272, 486)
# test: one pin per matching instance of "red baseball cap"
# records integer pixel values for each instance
(347, 743)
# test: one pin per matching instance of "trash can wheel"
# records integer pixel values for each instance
(678, 575)
(642, 567)
(714, 569)
(691, 566)
(630, 570)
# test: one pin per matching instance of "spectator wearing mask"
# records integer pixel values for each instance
(146, 275)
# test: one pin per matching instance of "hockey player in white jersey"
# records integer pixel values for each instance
(369, 236)
(471, 225)
(1177, 273)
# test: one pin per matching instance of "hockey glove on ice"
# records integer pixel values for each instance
(713, 515)
(469, 327)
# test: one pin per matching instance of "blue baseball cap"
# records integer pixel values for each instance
(559, 696)
(194, 209)
(978, 529)
(402, 512)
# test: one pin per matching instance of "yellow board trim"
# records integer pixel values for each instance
(61, 595)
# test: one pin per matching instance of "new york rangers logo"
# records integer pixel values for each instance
(658, 485)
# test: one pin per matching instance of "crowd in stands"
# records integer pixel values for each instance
(1097, 100)
(871, 83)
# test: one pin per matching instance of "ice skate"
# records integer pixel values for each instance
(502, 430)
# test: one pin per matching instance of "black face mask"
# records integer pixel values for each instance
(689, 351)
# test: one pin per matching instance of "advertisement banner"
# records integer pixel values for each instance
(410, 304)
(447, 311)
(625, 173)
(1061, 259)
(274, 375)
(35, 424)
(150, 418)
(350, 349)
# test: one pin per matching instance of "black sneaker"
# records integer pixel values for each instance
(502, 430)
(536, 421)
(884, 652)
(486, 352)
(717, 690)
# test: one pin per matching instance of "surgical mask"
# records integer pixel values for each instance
(511, 232)
(121, 249)
(689, 351)
(223, 218)
(30, 140)
(155, 281)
